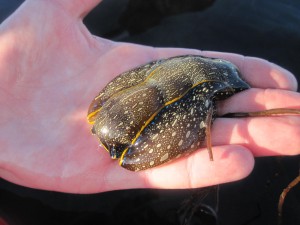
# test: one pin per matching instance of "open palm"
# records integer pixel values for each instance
(51, 67)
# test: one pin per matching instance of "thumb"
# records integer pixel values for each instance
(79, 8)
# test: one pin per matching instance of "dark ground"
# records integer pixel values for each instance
(267, 29)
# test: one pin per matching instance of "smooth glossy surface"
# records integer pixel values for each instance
(157, 112)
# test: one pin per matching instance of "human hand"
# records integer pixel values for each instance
(51, 68)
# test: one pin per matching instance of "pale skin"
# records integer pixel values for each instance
(51, 67)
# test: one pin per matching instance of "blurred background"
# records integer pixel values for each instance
(261, 28)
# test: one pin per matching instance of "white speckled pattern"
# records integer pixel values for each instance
(153, 113)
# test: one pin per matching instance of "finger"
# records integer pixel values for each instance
(256, 99)
(79, 8)
(230, 163)
(265, 136)
(257, 72)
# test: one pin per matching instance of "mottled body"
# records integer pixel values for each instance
(157, 112)
(176, 130)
